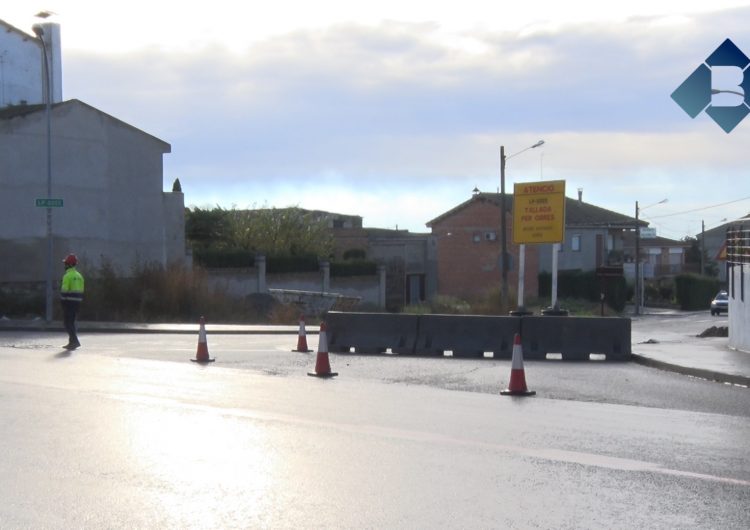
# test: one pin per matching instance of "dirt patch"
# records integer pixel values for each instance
(715, 331)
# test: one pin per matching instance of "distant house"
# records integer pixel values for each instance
(467, 244)
(408, 258)
(661, 257)
(109, 175)
(594, 237)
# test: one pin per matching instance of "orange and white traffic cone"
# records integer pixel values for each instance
(322, 366)
(517, 385)
(302, 337)
(201, 355)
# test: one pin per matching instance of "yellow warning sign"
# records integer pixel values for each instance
(539, 212)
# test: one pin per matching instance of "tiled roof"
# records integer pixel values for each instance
(581, 214)
(577, 213)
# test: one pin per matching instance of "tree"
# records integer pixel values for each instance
(269, 231)
(207, 228)
(693, 255)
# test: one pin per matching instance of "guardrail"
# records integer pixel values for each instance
(543, 337)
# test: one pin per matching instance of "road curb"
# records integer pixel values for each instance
(83, 328)
(695, 372)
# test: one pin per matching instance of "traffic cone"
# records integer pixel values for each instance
(517, 385)
(302, 338)
(322, 366)
(201, 355)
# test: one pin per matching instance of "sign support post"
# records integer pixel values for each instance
(538, 217)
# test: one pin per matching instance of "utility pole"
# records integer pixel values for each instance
(703, 247)
(47, 87)
(503, 236)
(637, 263)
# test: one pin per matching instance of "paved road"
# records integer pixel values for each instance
(670, 340)
(127, 433)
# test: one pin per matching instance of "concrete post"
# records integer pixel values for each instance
(381, 286)
(325, 268)
(260, 266)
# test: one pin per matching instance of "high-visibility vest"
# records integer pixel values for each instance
(72, 285)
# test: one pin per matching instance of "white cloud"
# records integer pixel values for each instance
(398, 120)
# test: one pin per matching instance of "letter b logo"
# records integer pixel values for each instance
(727, 104)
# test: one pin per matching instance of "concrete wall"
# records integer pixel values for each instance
(243, 282)
(739, 307)
(110, 177)
(21, 66)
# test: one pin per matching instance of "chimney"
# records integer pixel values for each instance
(580, 194)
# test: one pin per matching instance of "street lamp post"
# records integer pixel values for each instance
(39, 31)
(503, 211)
(638, 279)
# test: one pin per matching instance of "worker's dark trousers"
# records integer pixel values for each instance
(70, 310)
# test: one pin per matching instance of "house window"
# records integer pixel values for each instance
(477, 237)
(575, 243)
(490, 236)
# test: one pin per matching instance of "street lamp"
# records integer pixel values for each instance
(638, 297)
(39, 31)
(503, 210)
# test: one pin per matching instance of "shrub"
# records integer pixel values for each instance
(694, 291)
(354, 254)
(587, 286)
(213, 258)
(153, 293)
(24, 301)
(354, 268)
(305, 263)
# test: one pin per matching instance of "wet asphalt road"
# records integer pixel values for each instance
(126, 433)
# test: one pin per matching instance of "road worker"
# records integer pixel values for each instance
(71, 296)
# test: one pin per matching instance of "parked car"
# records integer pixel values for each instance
(720, 303)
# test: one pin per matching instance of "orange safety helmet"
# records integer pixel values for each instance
(70, 260)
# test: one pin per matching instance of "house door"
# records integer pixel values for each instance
(414, 288)
(599, 250)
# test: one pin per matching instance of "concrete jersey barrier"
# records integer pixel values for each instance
(574, 338)
(371, 332)
(466, 335)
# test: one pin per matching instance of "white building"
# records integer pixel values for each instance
(738, 261)
(22, 68)
(108, 173)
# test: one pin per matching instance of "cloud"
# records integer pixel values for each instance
(397, 107)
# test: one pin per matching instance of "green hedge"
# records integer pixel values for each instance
(354, 268)
(586, 285)
(694, 291)
(224, 258)
(280, 264)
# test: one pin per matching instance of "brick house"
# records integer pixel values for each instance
(468, 242)
(468, 249)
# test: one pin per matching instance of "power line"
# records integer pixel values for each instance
(699, 209)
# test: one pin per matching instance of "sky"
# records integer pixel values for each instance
(396, 111)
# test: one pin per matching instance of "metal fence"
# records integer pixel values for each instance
(738, 244)
(738, 255)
